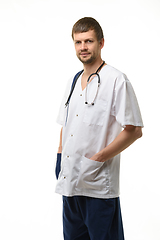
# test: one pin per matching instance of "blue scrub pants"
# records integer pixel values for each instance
(87, 218)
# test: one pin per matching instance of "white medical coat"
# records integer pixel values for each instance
(89, 129)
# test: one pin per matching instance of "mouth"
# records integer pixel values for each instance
(84, 54)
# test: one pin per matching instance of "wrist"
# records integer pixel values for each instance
(60, 149)
(98, 157)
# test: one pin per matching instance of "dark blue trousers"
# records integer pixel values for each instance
(87, 218)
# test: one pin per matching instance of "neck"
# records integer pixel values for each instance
(92, 67)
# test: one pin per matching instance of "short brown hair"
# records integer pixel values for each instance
(85, 24)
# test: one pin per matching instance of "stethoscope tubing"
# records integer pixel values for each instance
(92, 103)
(96, 73)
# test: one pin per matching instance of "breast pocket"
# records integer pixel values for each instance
(95, 114)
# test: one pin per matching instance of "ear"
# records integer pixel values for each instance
(101, 43)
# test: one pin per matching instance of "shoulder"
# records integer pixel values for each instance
(113, 72)
(113, 76)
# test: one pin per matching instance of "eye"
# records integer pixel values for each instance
(89, 41)
(77, 42)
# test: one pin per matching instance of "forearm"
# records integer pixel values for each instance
(60, 142)
(121, 142)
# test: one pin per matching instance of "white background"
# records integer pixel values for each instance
(36, 59)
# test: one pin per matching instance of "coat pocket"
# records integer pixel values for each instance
(91, 174)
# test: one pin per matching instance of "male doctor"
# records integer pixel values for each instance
(100, 121)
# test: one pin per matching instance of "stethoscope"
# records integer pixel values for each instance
(89, 78)
(93, 74)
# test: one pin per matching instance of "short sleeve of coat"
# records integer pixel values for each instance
(62, 110)
(125, 107)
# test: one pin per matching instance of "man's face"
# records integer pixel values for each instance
(87, 47)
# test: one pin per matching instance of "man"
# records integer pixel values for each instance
(92, 139)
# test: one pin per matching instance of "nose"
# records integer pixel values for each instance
(83, 46)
